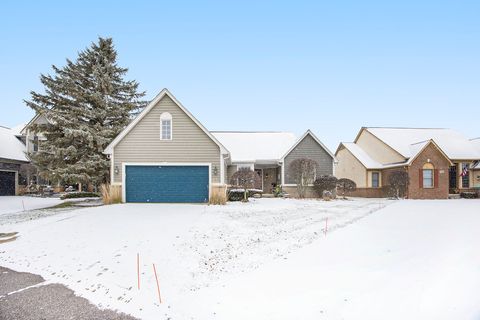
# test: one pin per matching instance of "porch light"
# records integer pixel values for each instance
(215, 170)
(116, 170)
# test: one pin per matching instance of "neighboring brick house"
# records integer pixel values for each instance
(434, 159)
(166, 155)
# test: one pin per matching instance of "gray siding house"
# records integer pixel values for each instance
(12, 158)
(166, 155)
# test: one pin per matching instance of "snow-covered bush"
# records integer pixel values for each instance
(325, 183)
(74, 195)
(346, 185)
(239, 194)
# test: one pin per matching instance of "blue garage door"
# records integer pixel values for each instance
(166, 183)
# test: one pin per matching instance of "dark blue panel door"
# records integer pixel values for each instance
(166, 183)
(7, 183)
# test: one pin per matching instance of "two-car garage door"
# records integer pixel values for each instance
(166, 183)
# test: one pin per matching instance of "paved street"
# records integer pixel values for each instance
(23, 297)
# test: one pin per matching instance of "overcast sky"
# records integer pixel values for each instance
(331, 66)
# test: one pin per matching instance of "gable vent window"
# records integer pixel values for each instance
(166, 126)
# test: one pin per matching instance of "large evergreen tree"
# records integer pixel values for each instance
(87, 102)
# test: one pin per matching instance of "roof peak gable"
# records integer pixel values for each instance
(164, 92)
(310, 133)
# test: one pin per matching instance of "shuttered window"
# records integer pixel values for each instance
(427, 178)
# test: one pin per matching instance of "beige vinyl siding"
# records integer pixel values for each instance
(189, 144)
(349, 167)
(377, 149)
(309, 148)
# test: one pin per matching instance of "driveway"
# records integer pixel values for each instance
(25, 296)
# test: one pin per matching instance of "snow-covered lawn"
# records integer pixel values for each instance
(268, 259)
(13, 204)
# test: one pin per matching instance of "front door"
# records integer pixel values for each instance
(452, 176)
(259, 182)
(269, 180)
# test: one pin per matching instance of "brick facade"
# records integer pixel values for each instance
(366, 193)
(415, 189)
(441, 164)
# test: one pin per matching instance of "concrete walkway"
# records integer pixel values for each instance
(23, 296)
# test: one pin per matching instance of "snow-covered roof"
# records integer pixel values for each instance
(452, 143)
(362, 156)
(414, 150)
(476, 143)
(255, 146)
(10, 147)
(17, 130)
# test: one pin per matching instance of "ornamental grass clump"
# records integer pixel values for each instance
(111, 194)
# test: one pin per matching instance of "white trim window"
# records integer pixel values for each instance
(428, 176)
(165, 126)
(375, 179)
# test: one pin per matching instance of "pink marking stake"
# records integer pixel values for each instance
(158, 286)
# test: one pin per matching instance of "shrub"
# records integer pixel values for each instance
(277, 191)
(236, 195)
(325, 183)
(74, 195)
(218, 197)
(111, 194)
(246, 179)
(239, 194)
(468, 195)
(327, 195)
(303, 172)
(346, 185)
(398, 181)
